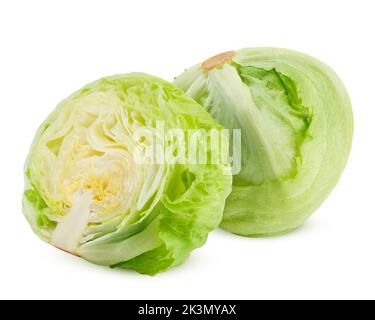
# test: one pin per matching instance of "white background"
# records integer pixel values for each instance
(48, 49)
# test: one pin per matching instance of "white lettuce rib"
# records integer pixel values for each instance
(69, 231)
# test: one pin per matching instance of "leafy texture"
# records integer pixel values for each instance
(296, 123)
(86, 194)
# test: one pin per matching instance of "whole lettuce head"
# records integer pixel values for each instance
(86, 193)
(296, 122)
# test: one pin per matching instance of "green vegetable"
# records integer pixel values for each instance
(86, 193)
(296, 122)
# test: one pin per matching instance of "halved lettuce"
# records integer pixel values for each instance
(296, 122)
(86, 193)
